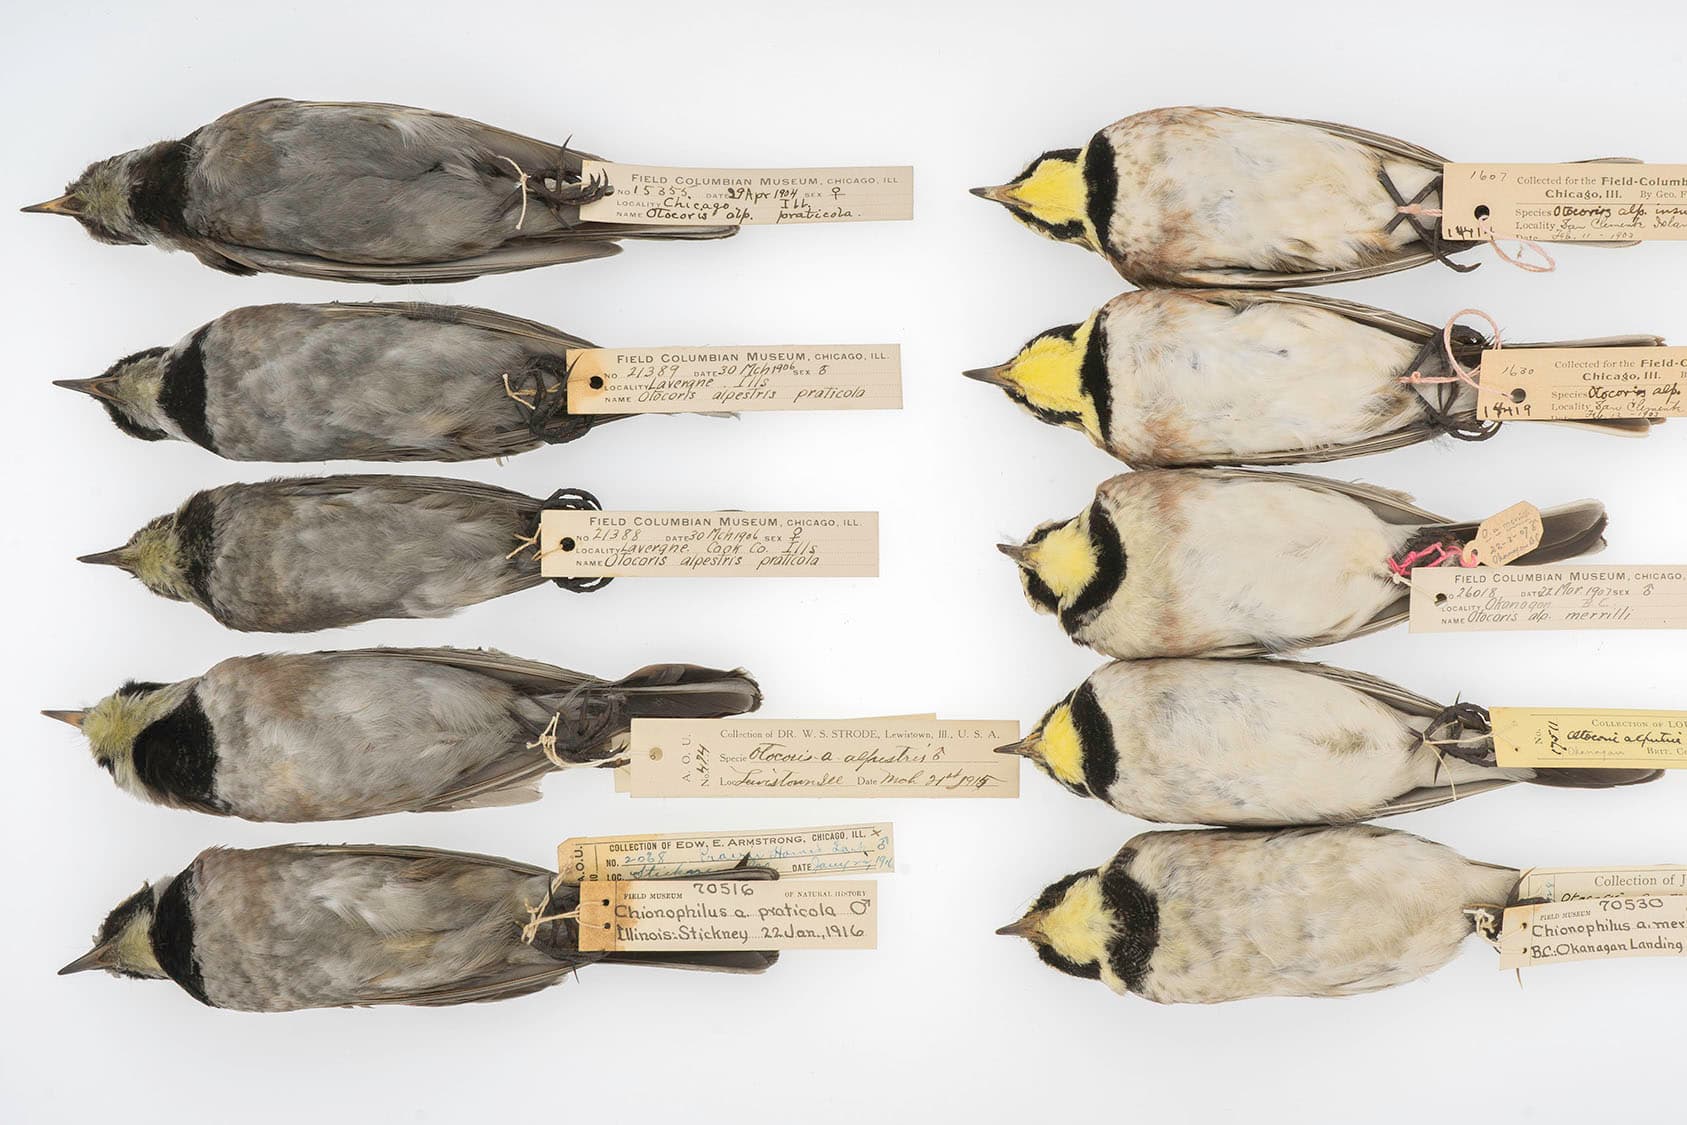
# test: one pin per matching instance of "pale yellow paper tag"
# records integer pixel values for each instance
(1534, 384)
(580, 544)
(1566, 884)
(1565, 202)
(687, 197)
(1452, 599)
(707, 379)
(1594, 929)
(1508, 535)
(725, 914)
(1603, 739)
(898, 757)
(796, 853)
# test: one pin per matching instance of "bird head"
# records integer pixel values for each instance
(1070, 925)
(1050, 375)
(101, 200)
(1056, 746)
(1056, 562)
(112, 725)
(129, 390)
(123, 945)
(1051, 197)
(154, 554)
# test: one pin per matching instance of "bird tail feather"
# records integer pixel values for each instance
(1582, 778)
(1566, 533)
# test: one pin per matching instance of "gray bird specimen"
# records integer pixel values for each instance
(392, 382)
(1207, 916)
(298, 926)
(352, 191)
(290, 556)
(1261, 743)
(1231, 562)
(338, 735)
(1169, 378)
(1220, 197)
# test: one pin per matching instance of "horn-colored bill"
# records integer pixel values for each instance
(113, 557)
(95, 958)
(996, 376)
(1016, 552)
(63, 205)
(1025, 747)
(94, 387)
(1001, 193)
(74, 718)
(1027, 927)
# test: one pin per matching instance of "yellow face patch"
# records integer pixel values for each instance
(1054, 193)
(1060, 747)
(154, 558)
(1049, 373)
(1078, 926)
(1064, 559)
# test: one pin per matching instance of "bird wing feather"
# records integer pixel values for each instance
(571, 246)
(1387, 504)
(469, 315)
(342, 484)
(1384, 692)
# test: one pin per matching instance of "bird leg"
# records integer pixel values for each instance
(1408, 211)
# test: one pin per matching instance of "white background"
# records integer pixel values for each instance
(944, 1018)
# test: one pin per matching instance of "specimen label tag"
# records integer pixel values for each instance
(733, 544)
(783, 377)
(916, 756)
(796, 853)
(1452, 599)
(1580, 383)
(1564, 884)
(1510, 534)
(1565, 202)
(716, 914)
(1593, 929)
(687, 197)
(1604, 739)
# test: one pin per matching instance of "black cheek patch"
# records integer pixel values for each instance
(1109, 571)
(183, 395)
(1091, 971)
(159, 193)
(1095, 381)
(196, 531)
(1138, 914)
(1101, 181)
(172, 937)
(177, 756)
(1095, 736)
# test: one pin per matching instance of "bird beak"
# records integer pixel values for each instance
(95, 958)
(94, 387)
(996, 376)
(113, 557)
(74, 718)
(65, 204)
(1029, 927)
(1002, 193)
(1024, 748)
(1016, 552)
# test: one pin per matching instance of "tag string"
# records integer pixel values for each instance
(1460, 373)
(1486, 229)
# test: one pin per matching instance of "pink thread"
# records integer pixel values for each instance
(1461, 373)
(1436, 554)
(1488, 232)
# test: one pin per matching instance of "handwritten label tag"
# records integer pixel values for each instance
(716, 914)
(685, 197)
(1565, 202)
(1448, 599)
(1603, 739)
(898, 757)
(796, 853)
(1567, 884)
(1593, 929)
(730, 544)
(1508, 535)
(1582, 383)
(684, 380)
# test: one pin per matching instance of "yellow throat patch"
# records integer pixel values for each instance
(1054, 193)
(1061, 748)
(1078, 926)
(1064, 558)
(1049, 373)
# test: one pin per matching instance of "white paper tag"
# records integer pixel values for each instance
(1449, 599)
(649, 194)
(796, 853)
(1589, 737)
(1569, 384)
(578, 544)
(729, 378)
(1589, 202)
(1594, 929)
(727, 914)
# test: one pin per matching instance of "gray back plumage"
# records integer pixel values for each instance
(291, 556)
